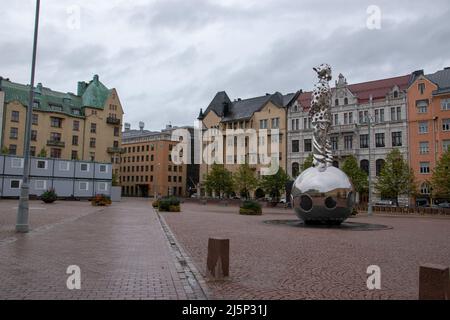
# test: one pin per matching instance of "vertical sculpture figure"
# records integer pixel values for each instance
(320, 114)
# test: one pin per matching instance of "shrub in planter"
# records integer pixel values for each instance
(101, 200)
(49, 196)
(250, 207)
(168, 203)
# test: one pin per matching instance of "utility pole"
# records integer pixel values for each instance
(22, 211)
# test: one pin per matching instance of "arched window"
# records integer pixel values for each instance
(295, 169)
(364, 165)
(425, 188)
(336, 102)
(336, 163)
(379, 166)
(346, 101)
(395, 94)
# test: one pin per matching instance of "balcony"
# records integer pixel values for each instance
(113, 121)
(115, 150)
(343, 128)
(55, 143)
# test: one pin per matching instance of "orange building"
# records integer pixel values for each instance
(429, 125)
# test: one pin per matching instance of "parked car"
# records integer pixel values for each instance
(283, 200)
(444, 205)
(385, 203)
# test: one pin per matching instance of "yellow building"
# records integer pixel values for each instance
(84, 126)
(266, 112)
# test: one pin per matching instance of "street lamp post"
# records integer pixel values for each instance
(22, 211)
(369, 206)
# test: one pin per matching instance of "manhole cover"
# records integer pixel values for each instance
(351, 226)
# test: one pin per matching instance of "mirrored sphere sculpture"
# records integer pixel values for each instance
(322, 194)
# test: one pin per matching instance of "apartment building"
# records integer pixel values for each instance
(429, 124)
(82, 126)
(147, 169)
(266, 112)
(383, 103)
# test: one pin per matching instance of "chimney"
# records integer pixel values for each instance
(447, 68)
(95, 78)
(141, 125)
(127, 126)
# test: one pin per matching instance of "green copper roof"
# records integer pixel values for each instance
(94, 96)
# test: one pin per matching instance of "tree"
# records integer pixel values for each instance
(308, 163)
(440, 180)
(42, 153)
(5, 150)
(396, 178)
(274, 184)
(115, 180)
(219, 180)
(356, 174)
(244, 180)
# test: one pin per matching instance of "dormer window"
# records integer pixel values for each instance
(395, 94)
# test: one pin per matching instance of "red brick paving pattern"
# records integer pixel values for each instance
(122, 251)
(284, 262)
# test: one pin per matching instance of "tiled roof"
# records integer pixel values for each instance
(442, 79)
(378, 89)
(94, 96)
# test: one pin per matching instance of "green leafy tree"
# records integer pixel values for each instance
(358, 176)
(308, 163)
(219, 180)
(440, 181)
(42, 153)
(396, 177)
(114, 180)
(275, 184)
(244, 180)
(4, 150)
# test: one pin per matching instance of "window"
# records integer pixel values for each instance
(424, 147)
(103, 168)
(445, 104)
(445, 145)
(55, 136)
(15, 184)
(33, 135)
(379, 164)
(424, 167)
(364, 164)
(17, 163)
(82, 185)
(41, 164)
(295, 169)
(423, 126)
(55, 153)
(295, 146)
(74, 140)
(421, 87)
(263, 124)
(334, 142)
(12, 149)
(92, 143)
(425, 188)
(345, 101)
(93, 128)
(169, 178)
(76, 112)
(345, 118)
(395, 94)
(14, 133)
(76, 125)
(64, 165)
(445, 124)
(379, 115)
(336, 119)
(399, 113)
(397, 139)
(32, 151)
(336, 102)
(348, 142)
(364, 141)
(275, 123)
(350, 117)
(74, 155)
(40, 184)
(84, 167)
(102, 186)
(117, 132)
(379, 140)
(361, 117)
(92, 156)
(422, 106)
(307, 145)
(55, 122)
(34, 119)
(15, 116)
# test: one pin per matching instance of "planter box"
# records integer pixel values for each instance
(116, 194)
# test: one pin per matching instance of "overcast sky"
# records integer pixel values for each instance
(168, 58)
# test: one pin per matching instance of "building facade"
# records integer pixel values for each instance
(147, 168)
(266, 112)
(69, 178)
(429, 125)
(82, 126)
(383, 103)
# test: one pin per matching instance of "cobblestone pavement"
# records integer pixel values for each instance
(285, 262)
(122, 251)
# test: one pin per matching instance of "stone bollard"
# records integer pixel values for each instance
(218, 261)
(434, 282)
